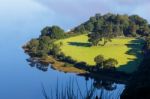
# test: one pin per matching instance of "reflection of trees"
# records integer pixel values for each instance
(100, 83)
(39, 65)
(108, 85)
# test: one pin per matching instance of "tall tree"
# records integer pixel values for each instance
(99, 60)
(110, 63)
(132, 30)
(55, 50)
(54, 32)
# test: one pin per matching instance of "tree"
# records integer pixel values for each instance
(93, 19)
(106, 33)
(33, 45)
(81, 29)
(137, 20)
(132, 30)
(116, 30)
(55, 50)
(94, 38)
(110, 63)
(144, 30)
(53, 32)
(46, 41)
(45, 45)
(98, 16)
(99, 60)
(89, 27)
(121, 25)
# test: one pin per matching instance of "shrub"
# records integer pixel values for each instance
(99, 60)
(110, 63)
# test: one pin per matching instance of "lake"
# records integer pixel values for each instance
(21, 21)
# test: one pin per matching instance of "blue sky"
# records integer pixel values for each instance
(77, 11)
(85, 8)
(68, 13)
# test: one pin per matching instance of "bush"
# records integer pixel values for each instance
(110, 63)
(99, 60)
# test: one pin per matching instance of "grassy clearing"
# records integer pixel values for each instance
(125, 50)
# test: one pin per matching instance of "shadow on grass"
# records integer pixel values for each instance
(79, 44)
(135, 48)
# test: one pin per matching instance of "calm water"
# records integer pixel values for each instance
(19, 22)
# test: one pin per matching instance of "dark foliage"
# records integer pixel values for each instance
(139, 84)
(105, 27)
(54, 32)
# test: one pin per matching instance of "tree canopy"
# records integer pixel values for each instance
(54, 32)
(109, 63)
(112, 25)
(101, 62)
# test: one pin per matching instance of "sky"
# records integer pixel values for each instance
(67, 13)
(80, 10)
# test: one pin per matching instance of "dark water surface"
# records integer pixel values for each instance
(19, 22)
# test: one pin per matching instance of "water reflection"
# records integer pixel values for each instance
(103, 87)
(108, 85)
(39, 65)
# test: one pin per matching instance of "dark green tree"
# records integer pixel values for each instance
(81, 29)
(132, 30)
(122, 25)
(32, 46)
(89, 27)
(99, 60)
(53, 32)
(55, 51)
(109, 63)
(144, 30)
(117, 31)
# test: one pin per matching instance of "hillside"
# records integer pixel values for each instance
(125, 50)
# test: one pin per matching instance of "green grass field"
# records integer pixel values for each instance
(127, 51)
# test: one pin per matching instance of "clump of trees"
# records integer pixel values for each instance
(105, 27)
(54, 32)
(99, 60)
(44, 45)
(55, 51)
(110, 63)
(102, 63)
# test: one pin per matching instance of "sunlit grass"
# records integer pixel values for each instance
(77, 47)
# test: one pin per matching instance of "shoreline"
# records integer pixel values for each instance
(62, 66)
(59, 65)
(70, 68)
(56, 64)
